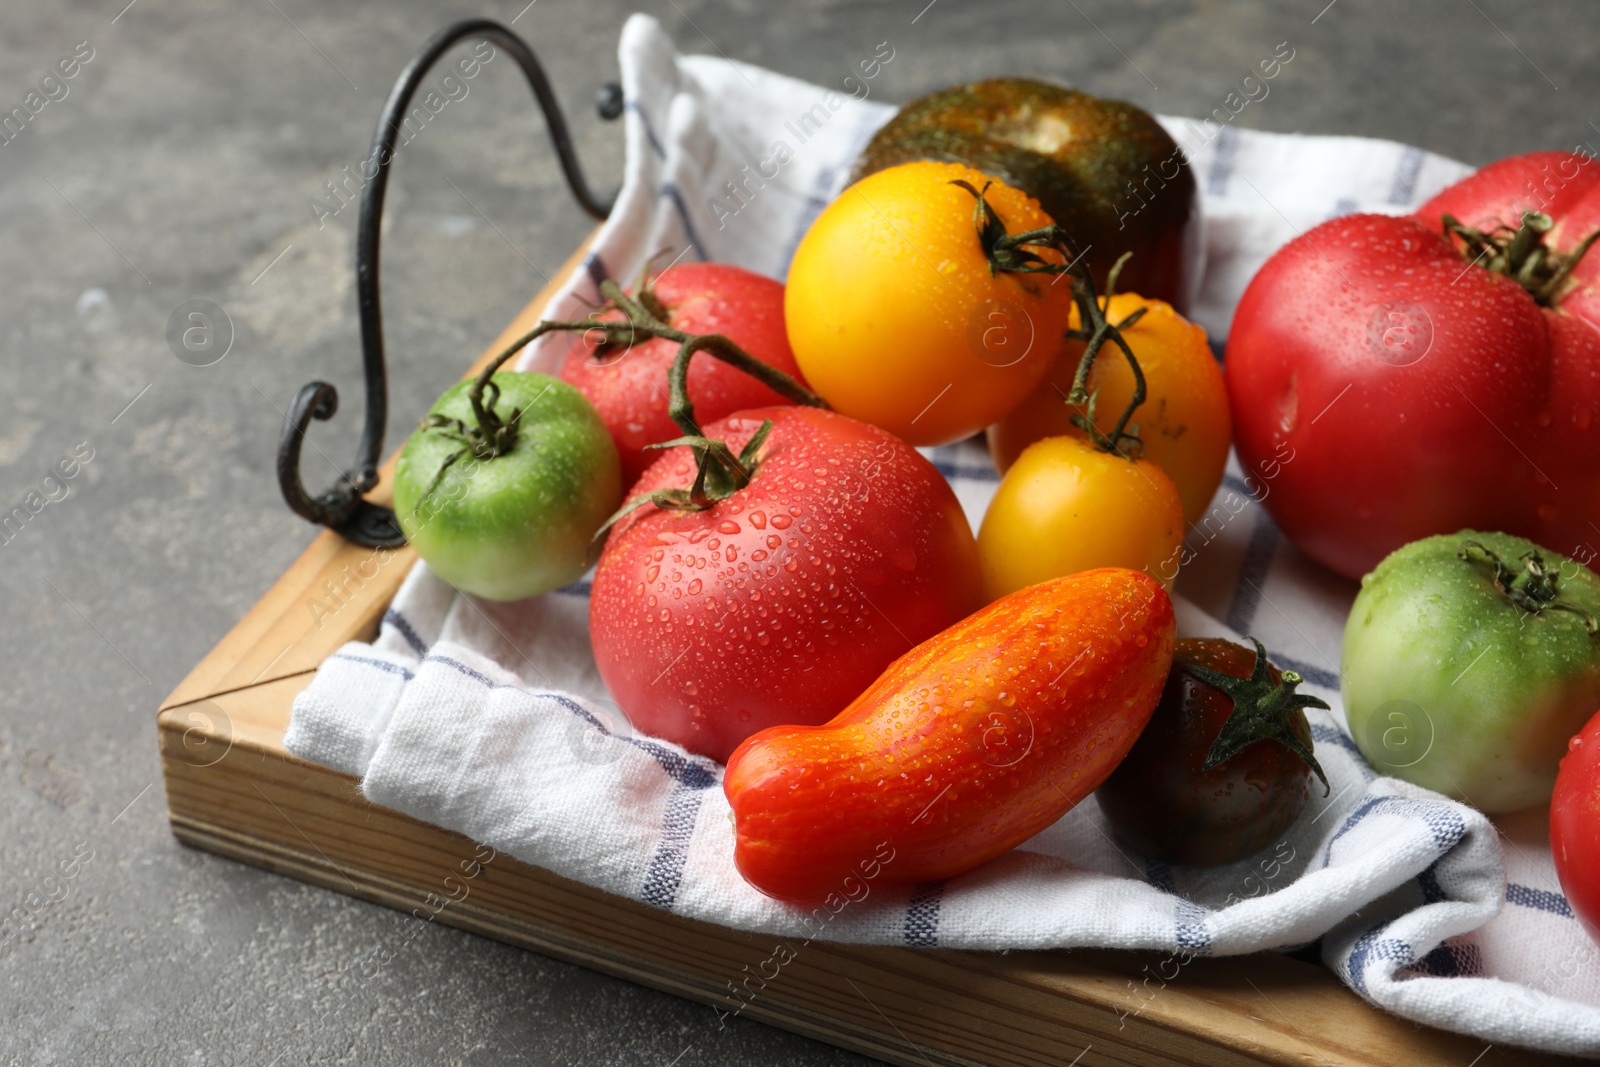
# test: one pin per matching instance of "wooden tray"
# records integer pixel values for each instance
(234, 790)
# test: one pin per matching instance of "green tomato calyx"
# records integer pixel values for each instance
(731, 473)
(490, 438)
(1016, 253)
(1262, 711)
(1521, 254)
(1532, 589)
(718, 472)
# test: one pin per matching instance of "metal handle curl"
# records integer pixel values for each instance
(342, 508)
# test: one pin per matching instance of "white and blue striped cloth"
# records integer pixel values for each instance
(489, 719)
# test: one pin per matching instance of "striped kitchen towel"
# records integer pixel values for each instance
(489, 719)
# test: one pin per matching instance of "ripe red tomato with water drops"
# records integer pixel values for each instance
(782, 601)
(1575, 826)
(1393, 378)
(628, 384)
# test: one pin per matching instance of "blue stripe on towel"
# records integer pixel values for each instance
(1159, 874)
(1191, 926)
(1458, 959)
(644, 120)
(388, 668)
(691, 773)
(1428, 880)
(1370, 947)
(966, 471)
(1332, 735)
(1404, 188)
(1237, 484)
(1258, 555)
(922, 915)
(595, 268)
(671, 192)
(1540, 899)
(1222, 162)
(677, 827)
(1444, 824)
(1345, 205)
(404, 629)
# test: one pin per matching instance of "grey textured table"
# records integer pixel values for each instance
(178, 166)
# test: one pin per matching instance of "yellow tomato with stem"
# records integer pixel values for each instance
(1066, 506)
(1184, 420)
(906, 310)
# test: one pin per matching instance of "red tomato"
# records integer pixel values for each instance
(782, 602)
(964, 748)
(629, 387)
(1575, 825)
(1385, 387)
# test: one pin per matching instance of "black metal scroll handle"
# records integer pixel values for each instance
(342, 507)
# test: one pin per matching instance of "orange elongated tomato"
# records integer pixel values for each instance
(968, 745)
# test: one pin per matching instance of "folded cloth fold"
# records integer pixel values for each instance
(489, 719)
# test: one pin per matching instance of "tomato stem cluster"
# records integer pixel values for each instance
(719, 473)
(1262, 711)
(1016, 253)
(1521, 254)
(1533, 589)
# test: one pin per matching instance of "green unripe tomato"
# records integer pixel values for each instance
(517, 524)
(1468, 662)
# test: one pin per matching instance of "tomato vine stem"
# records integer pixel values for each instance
(718, 472)
(1018, 253)
(1533, 589)
(1521, 254)
(1262, 711)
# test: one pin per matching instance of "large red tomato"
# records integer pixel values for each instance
(1390, 380)
(783, 601)
(628, 386)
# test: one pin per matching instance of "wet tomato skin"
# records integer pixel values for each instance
(1161, 801)
(898, 317)
(628, 387)
(1575, 825)
(1400, 375)
(782, 602)
(965, 747)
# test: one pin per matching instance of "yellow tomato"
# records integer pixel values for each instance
(1183, 422)
(1065, 506)
(896, 318)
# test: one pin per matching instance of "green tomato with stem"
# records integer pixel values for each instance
(503, 486)
(1469, 660)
